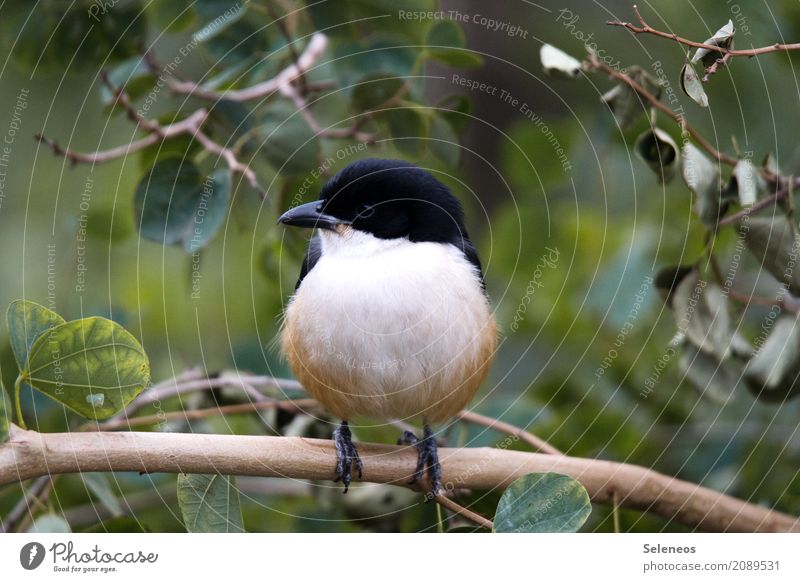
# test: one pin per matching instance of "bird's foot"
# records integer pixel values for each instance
(427, 459)
(346, 455)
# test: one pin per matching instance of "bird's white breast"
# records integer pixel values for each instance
(390, 328)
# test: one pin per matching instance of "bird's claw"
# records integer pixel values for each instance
(346, 456)
(427, 460)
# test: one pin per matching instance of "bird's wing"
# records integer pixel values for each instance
(312, 256)
(471, 253)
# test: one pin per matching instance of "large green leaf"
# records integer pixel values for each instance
(92, 366)
(209, 503)
(375, 90)
(286, 141)
(176, 205)
(445, 41)
(26, 320)
(542, 502)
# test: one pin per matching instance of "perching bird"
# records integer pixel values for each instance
(389, 319)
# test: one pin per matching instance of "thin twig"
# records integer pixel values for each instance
(757, 206)
(597, 64)
(448, 503)
(645, 28)
(23, 506)
(510, 429)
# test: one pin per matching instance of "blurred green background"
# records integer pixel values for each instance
(558, 371)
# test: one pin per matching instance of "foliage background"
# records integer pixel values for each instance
(612, 225)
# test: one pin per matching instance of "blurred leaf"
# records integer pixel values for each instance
(445, 42)
(443, 142)
(723, 38)
(711, 378)
(52, 36)
(455, 109)
(181, 146)
(770, 163)
(772, 373)
(542, 502)
(174, 205)
(703, 179)
(122, 524)
(92, 366)
(286, 141)
(625, 102)
(374, 90)
(746, 182)
(558, 63)
(26, 321)
(49, 523)
(209, 503)
(381, 55)
(774, 244)
(408, 127)
(668, 278)
(169, 16)
(700, 310)
(692, 86)
(100, 486)
(132, 75)
(5, 413)
(658, 150)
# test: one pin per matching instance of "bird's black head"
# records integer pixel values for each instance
(388, 199)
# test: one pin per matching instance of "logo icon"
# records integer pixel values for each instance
(31, 555)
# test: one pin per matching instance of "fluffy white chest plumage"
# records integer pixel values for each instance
(390, 328)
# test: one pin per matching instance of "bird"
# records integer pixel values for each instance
(390, 318)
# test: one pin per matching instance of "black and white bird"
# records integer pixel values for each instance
(389, 318)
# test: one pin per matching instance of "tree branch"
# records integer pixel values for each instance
(29, 454)
(645, 28)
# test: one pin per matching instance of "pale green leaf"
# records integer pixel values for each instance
(722, 38)
(772, 373)
(209, 503)
(692, 86)
(775, 245)
(92, 366)
(542, 502)
(100, 486)
(26, 321)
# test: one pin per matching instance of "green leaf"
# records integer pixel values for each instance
(49, 523)
(443, 141)
(209, 503)
(175, 205)
(558, 63)
(700, 310)
(169, 16)
(658, 150)
(92, 366)
(625, 103)
(286, 141)
(772, 373)
(26, 321)
(775, 244)
(445, 43)
(703, 179)
(132, 75)
(542, 502)
(5, 413)
(722, 38)
(100, 486)
(408, 127)
(456, 109)
(375, 90)
(692, 86)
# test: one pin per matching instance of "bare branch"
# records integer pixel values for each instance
(645, 28)
(463, 511)
(515, 431)
(29, 454)
(316, 46)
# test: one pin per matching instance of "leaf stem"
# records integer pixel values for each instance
(17, 403)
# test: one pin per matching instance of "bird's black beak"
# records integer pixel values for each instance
(309, 216)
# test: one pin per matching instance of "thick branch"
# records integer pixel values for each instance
(29, 454)
(645, 28)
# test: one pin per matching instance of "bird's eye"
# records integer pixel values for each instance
(365, 210)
